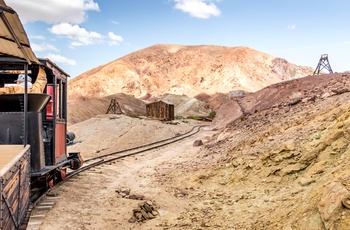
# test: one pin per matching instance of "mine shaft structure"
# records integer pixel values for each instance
(323, 64)
(114, 107)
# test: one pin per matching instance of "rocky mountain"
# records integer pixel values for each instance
(282, 157)
(279, 156)
(279, 159)
(185, 70)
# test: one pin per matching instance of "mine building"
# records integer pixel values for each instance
(162, 110)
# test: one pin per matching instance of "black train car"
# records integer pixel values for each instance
(43, 125)
(33, 139)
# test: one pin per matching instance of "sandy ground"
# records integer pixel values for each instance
(93, 199)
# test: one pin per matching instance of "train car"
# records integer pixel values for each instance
(33, 125)
(50, 159)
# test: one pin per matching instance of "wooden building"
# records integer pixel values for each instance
(162, 110)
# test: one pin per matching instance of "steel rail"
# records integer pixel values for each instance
(139, 149)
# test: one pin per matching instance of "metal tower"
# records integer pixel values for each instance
(323, 64)
(114, 107)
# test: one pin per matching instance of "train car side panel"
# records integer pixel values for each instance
(15, 185)
(60, 151)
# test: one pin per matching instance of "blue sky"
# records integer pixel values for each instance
(79, 35)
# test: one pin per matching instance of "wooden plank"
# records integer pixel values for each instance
(6, 212)
(9, 187)
(7, 223)
(13, 198)
(1, 208)
(25, 186)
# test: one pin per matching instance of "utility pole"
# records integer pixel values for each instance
(323, 64)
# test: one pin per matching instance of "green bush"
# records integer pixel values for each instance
(212, 114)
(193, 117)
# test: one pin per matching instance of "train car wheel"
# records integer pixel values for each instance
(51, 183)
(59, 175)
(63, 174)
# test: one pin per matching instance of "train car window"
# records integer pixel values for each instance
(59, 100)
(50, 106)
(58, 95)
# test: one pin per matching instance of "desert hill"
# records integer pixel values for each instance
(184, 75)
(279, 160)
(276, 158)
(185, 70)
(84, 108)
(285, 156)
(287, 93)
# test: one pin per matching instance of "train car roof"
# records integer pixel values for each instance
(8, 59)
(57, 71)
(13, 38)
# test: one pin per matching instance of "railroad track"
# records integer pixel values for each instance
(45, 202)
(95, 161)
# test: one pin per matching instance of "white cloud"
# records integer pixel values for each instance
(80, 36)
(198, 8)
(114, 39)
(61, 59)
(292, 27)
(53, 11)
(42, 47)
(115, 22)
(38, 37)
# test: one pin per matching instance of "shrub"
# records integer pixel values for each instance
(212, 114)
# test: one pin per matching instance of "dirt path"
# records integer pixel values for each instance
(94, 200)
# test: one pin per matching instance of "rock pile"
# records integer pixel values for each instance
(146, 210)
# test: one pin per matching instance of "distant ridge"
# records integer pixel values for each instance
(185, 70)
